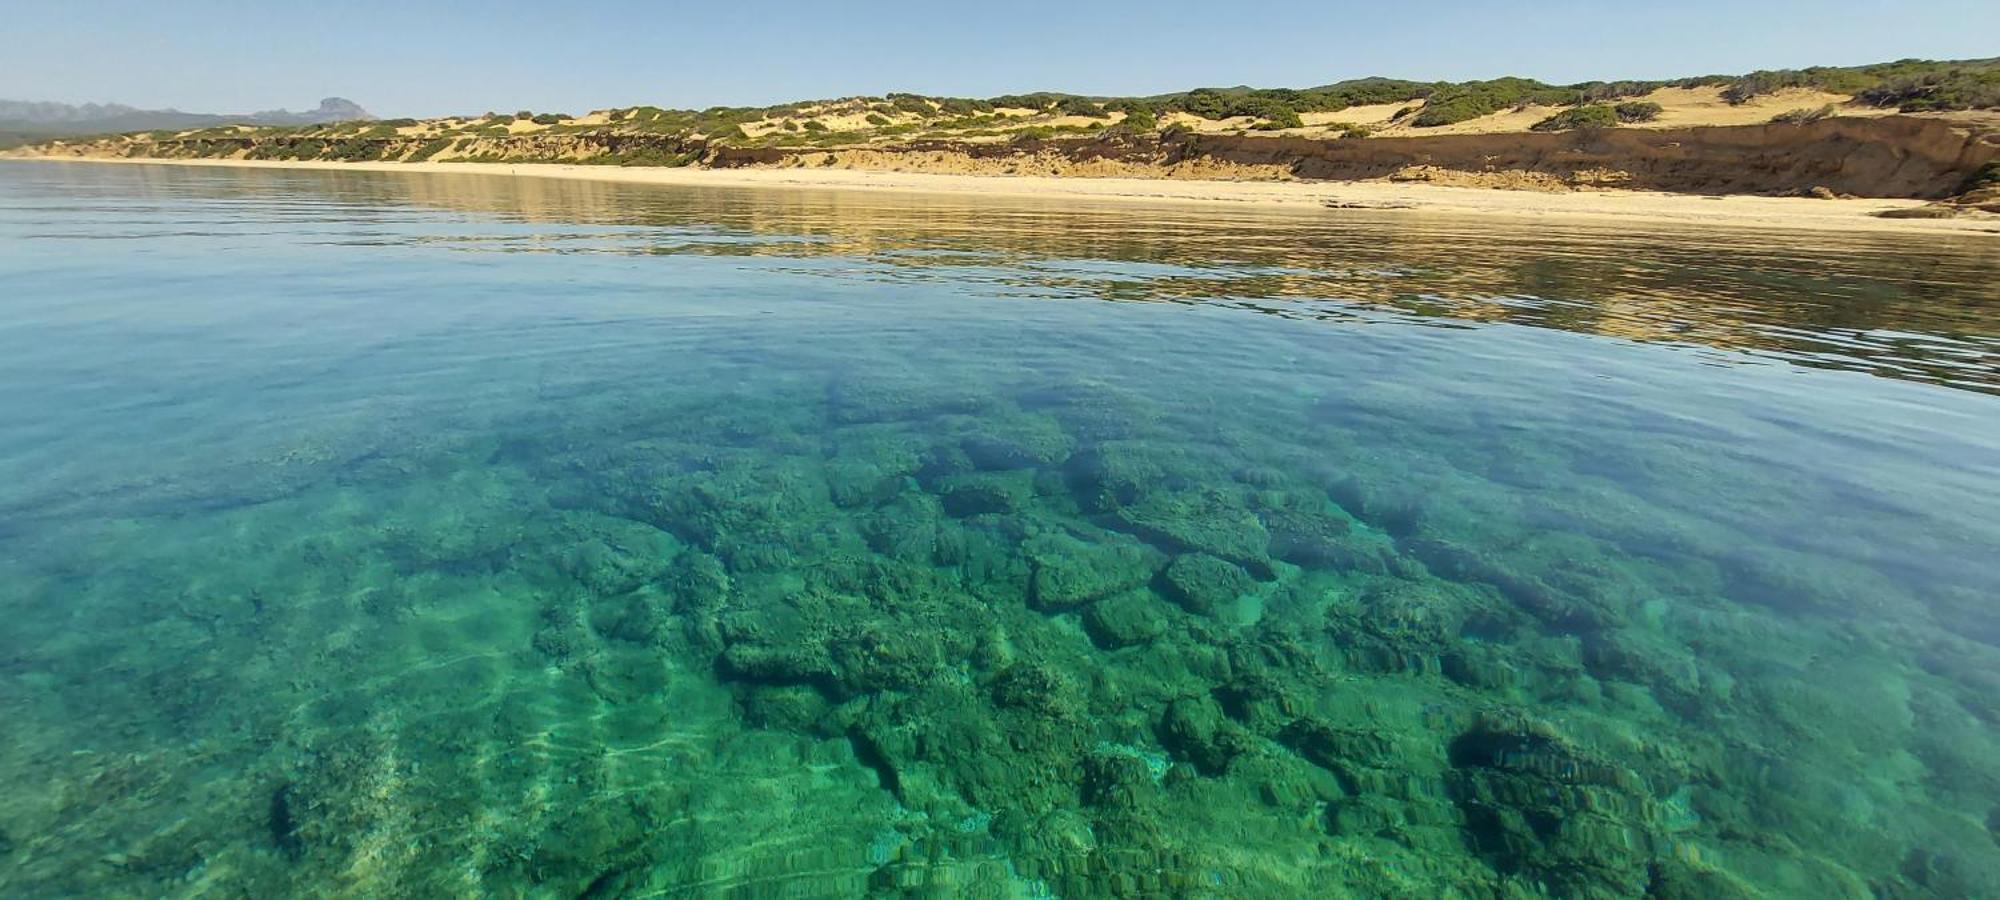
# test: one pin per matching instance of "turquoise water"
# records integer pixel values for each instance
(438, 535)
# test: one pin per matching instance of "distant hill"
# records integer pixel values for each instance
(27, 121)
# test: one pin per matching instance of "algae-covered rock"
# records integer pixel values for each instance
(883, 655)
(1202, 522)
(614, 555)
(1476, 665)
(1128, 619)
(639, 617)
(1204, 584)
(1118, 781)
(698, 582)
(980, 493)
(1037, 690)
(1327, 542)
(1070, 571)
(1673, 879)
(1196, 730)
(859, 483)
(901, 397)
(1018, 444)
(1535, 804)
(795, 708)
(768, 664)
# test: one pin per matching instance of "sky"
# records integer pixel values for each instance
(422, 59)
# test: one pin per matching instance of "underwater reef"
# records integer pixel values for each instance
(820, 575)
(907, 636)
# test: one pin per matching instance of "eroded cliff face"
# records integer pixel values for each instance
(1891, 157)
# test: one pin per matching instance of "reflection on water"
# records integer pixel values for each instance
(452, 535)
(1867, 302)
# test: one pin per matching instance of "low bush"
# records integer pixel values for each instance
(1039, 100)
(960, 106)
(428, 149)
(1987, 176)
(1968, 87)
(1451, 104)
(1803, 116)
(1638, 111)
(1590, 116)
(911, 103)
(1079, 106)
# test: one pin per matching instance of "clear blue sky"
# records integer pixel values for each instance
(415, 58)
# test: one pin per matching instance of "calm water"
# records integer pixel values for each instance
(386, 535)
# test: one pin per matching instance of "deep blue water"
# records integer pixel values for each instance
(441, 535)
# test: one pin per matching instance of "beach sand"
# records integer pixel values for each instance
(1615, 206)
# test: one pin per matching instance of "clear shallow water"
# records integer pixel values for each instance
(439, 535)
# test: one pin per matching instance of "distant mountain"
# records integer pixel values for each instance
(332, 109)
(23, 121)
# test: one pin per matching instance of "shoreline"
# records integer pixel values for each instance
(1601, 206)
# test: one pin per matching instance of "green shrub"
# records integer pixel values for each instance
(524, 114)
(877, 119)
(959, 106)
(548, 118)
(1039, 100)
(1638, 111)
(1963, 87)
(1079, 106)
(1590, 116)
(911, 103)
(1279, 116)
(429, 149)
(1450, 104)
(815, 125)
(1140, 118)
(1987, 176)
(1205, 103)
(1803, 116)
(1599, 92)
(1361, 92)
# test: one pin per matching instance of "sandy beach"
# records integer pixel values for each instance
(1611, 206)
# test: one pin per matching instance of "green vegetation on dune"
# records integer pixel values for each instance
(1911, 86)
(1451, 104)
(1591, 116)
(1638, 111)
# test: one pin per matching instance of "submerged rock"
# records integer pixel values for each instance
(1204, 584)
(1126, 620)
(1034, 444)
(1070, 571)
(980, 493)
(1536, 805)
(1194, 729)
(1201, 522)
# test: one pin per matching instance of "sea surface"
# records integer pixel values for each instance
(412, 535)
